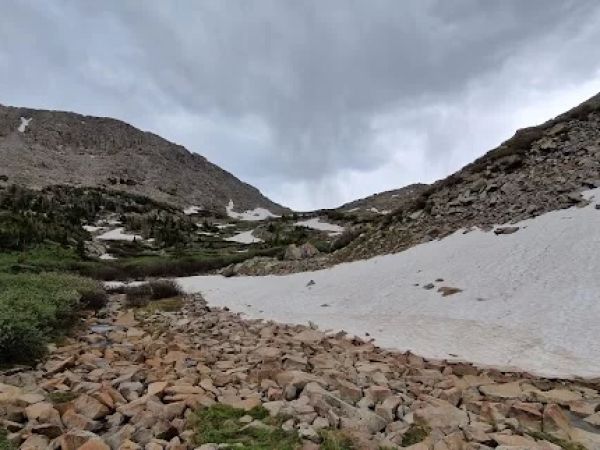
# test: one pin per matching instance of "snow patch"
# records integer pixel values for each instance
(92, 229)
(118, 234)
(106, 256)
(192, 210)
(529, 300)
(24, 124)
(252, 214)
(245, 237)
(317, 224)
(378, 211)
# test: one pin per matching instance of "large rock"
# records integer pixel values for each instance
(90, 407)
(75, 439)
(297, 379)
(326, 403)
(502, 391)
(35, 442)
(442, 416)
(559, 396)
(43, 413)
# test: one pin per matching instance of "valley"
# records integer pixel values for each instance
(450, 316)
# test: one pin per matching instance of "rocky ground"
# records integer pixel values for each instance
(133, 380)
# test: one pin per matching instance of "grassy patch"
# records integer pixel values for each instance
(164, 289)
(138, 296)
(337, 440)
(44, 258)
(61, 397)
(34, 309)
(4, 443)
(166, 266)
(566, 445)
(220, 424)
(165, 305)
(415, 434)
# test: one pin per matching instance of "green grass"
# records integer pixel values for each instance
(4, 444)
(61, 397)
(337, 440)
(35, 309)
(219, 424)
(54, 258)
(48, 257)
(415, 434)
(166, 266)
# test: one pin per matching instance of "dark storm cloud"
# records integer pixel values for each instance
(313, 101)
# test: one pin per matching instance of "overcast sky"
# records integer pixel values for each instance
(315, 102)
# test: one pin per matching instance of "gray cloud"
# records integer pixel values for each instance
(315, 102)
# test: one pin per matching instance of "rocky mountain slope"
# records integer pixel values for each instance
(38, 148)
(539, 169)
(384, 202)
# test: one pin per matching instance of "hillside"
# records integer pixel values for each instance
(539, 169)
(384, 202)
(40, 148)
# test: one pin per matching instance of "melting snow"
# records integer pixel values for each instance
(192, 210)
(244, 238)
(24, 124)
(317, 224)
(377, 211)
(252, 214)
(106, 256)
(91, 228)
(118, 235)
(530, 300)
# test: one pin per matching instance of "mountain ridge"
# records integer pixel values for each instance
(39, 145)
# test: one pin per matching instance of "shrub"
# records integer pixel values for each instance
(138, 296)
(35, 309)
(415, 434)
(219, 424)
(58, 397)
(94, 299)
(346, 237)
(164, 289)
(141, 268)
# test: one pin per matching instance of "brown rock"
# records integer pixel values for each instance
(35, 442)
(378, 393)
(74, 439)
(94, 444)
(442, 416)
(349, 391)
(43, 413)
(55, 366)
(73, 420)
(90, 407)
(556, 422)
(559, 396)
(310, 336)
(502, 391)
